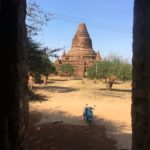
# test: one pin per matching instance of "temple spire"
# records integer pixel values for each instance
(81, 55)
(82, 38)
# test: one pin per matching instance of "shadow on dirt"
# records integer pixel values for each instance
(115, 131)
(56, 89)
(118, 93)
(50, 82)
(62, 136)
(117, 90)
(33, 97)
(60, 130)
(59, 79)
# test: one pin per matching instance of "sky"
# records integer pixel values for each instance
(109, 23)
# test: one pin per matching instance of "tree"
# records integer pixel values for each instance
(67, 69)
(111, 69)
(38, 61)
(38, 56)
(36, 18)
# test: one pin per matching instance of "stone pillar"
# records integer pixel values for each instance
(13, 97)
(141, 76)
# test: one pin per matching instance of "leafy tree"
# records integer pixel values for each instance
(38, 61)
(38, 57)
(67, 69)
(36, 18)
(110, 69)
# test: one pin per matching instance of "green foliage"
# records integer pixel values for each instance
(38, 60)
(37, 57)
(67, 69)
(36, 18)
(112, 66)
(104, 69)
(120, 67)
(110, 69)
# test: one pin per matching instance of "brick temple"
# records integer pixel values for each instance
(81, 55)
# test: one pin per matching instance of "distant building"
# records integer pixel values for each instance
(81, 55)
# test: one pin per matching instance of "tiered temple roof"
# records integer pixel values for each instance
(81, 54)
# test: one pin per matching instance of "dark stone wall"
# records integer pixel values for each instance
(13, 76)
(141, 76)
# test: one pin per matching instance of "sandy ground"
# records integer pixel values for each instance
(67, 98)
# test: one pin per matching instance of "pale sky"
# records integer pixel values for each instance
(109, 23)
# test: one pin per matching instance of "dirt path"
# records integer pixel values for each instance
(59, 136)
(66, 100)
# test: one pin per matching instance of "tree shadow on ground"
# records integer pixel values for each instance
(115, 131)
(60, 130)
(118, 82)
(59, 79)
(118, 90)
(33, 97)
(118, 93)
(50, 82)
(46, 133)
(56, 89)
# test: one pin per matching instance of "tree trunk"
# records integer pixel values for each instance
(141, 76)
(109, 83)
(13, 98)
(37, 78)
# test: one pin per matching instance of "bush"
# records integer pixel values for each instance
(111, 69)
